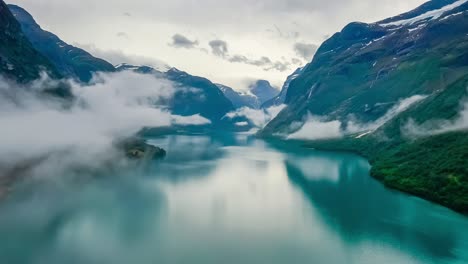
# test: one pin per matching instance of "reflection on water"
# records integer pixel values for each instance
(230, 199)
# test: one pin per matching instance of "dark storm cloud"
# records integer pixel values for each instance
(181, 41)
(305, 51)
(219, 47)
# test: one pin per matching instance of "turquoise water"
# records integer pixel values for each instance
(229, 199)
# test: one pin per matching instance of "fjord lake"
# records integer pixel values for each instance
(229, 199)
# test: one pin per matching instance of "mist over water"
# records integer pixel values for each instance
(228, 199)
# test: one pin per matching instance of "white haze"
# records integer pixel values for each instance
(257, 117)
(114, 106)
(435, 127)
(316, 128)
(402, 105)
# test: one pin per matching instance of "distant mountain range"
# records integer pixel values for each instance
(64, 60)
(196, 95)
(257, 94)
(281, 97)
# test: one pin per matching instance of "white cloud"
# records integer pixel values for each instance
(435, 127)
(315, 128)
(153, 22)
(190, 120)
(257, 117)
(117, 57)
(354, 126)
(112, 107)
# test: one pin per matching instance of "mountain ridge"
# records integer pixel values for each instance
(69, 60)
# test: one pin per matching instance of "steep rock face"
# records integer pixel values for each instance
(366, 68)
(68, 60)
(196, 95)
(19, 60)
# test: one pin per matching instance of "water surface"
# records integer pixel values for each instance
(230, 199)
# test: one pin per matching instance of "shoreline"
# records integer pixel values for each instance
(380, 171)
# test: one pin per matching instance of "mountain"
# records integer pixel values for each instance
(263, 91)
(366, 71)
(239, 99)
(258, 93)
(197, 95)
(19, 60)
(280, 98)
(67, 59)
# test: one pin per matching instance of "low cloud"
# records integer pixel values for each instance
(101, 113)
(194, 120)
(435, 127)
(354, 126)
(316, 127)
(181, 41)
(219, 47)
(305, 51)
(257, 117)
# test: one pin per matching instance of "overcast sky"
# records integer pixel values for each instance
(228, 41)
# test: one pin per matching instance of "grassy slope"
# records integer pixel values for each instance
(434, 167)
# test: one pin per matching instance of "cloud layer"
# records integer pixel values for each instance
(265, 28)
(256, 117)
(114, 106)
(435, 127)
(316, 128)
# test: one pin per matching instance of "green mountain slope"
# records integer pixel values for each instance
(433, 167)
(69, 60)
(18, 58)
(366, 69)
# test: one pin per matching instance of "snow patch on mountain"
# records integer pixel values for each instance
(433, 14)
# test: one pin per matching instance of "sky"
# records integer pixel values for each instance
(229, 42)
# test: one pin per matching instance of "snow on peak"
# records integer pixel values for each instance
(433, 14)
